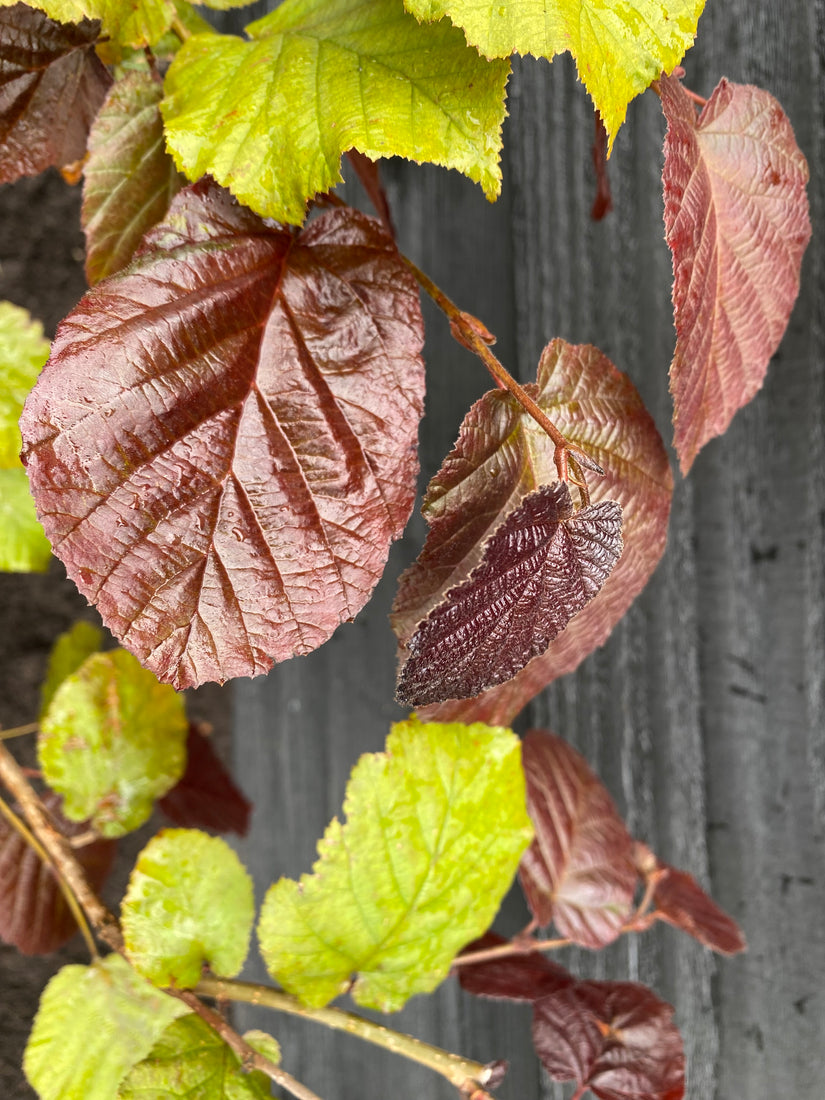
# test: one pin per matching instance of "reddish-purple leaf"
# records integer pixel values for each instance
(500, 456)
(579, 870)
(680, 900)
(34, 915)
(526, 977)
(369, 174)
(206, 796)
(736, 219)
(51, 87)
(538, 570)
(223, 443)
(615, 1038)
(603, 202)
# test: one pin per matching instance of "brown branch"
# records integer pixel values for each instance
(19, 731)
(519, 946)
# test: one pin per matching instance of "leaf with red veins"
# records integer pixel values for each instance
(34, 916)
(206, 796)
(223, 443)
(736, 221)
(51, 87)
(500, 456)
(579, 870)
(615, 1038)
(525, 977)
(539, 569)
(680, 900)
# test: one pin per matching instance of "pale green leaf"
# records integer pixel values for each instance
(23, 351)
(620, 48)
(265, 1044)
(191, 1062)
(24, 547)
(270, 118)
(94, 1023)
(434, 831)
(112, 741)
(189, 902)
(68, 654)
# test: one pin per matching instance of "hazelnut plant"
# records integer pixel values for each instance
(221, 446)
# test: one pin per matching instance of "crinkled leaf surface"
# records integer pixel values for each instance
(680, 900)
(223, 443)
(191, 1062)
(129, 179)
(736, 221)
(270, 118)
(619, 48)
(68, 653)
(94, 1023)
(579, 871)
(125, 22)
(112, 741)
(51, 86)
(23, 546)
(206, 796)
(500, 456)
(616, 1038)
(34, 916)
(23, 351)
(189, 902)
(434, 829)
(539, 569)
(514, 978)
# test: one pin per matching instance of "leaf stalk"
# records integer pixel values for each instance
(19, 731)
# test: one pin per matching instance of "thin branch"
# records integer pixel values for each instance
(19, 731)
(71, 900)
(467, 1076)
(698, 99)
(519, 946)
(180, 29)
(59, 851)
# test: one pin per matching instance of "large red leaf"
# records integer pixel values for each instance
(223, 442)
(680, 900)
(34, 915)
(51, 87)
(736, 219)
(615, 1038)
(539, 569)
(206, 796)
(579, 870)
(526, 977)
(500, 456)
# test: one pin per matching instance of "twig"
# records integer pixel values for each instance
(71, 900)
(467, 1076)
(520, 946)
(19, 731)
(700, 100)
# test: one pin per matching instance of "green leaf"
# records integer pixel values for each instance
(189, 902)
(68, 653)
(24, 547)
(126, 22)
(270, 118)
(435, 828)
(94, 1023)
(619, 48)
(129, 179)
(23, 351)
(191, 1061)
(112, 741)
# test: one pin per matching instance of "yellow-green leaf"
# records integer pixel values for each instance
(189, 902)
(68, 653)
(619, 47)
(270, 118)
(434, 831)
(24, 547)
(126, 22)
(23, 351)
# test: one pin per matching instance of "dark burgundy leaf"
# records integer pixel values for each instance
(736, 220)
(206, 796)
(51, 87)
(34, 915)
(615, 1038)
(223, 443)
(500, 456)
(524, 977)
(603, 202)
(681, 901)
(369, 174)
(538, 570)
(579, 870)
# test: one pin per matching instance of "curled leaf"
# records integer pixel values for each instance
(223, 443)
(737, 223)
(539, 569)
